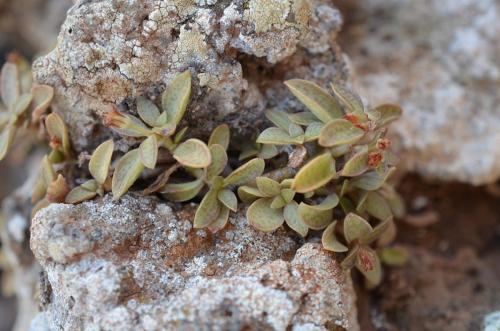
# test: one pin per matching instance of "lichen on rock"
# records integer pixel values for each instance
(110, 52)
(137, 264)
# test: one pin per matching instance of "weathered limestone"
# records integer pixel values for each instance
(137, 264)
(239, 52)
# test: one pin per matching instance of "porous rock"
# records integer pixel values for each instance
(239, 52)
(137, 264)
(441, 61)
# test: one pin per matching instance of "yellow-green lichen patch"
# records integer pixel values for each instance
(191, 45)
(266, 14)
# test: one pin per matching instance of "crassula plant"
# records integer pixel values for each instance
(323, 169)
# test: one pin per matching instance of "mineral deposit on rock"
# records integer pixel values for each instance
(137, 264)
(239, 53)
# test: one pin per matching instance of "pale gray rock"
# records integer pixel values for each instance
(239, 52)
(441, 61)
(137, 264)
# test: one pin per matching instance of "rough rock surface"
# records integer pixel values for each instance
(441, 61)
(239, 52)
(137, 264)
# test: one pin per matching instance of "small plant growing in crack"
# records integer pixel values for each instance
(322, 169)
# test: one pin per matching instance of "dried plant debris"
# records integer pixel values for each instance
(324, 169)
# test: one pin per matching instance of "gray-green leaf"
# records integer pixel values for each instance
(292, 219)
(339, 132)
(175, 98)
(317, 100)
(263, 217)
(193, 153)
(208, 210)
(316, 173)
(101, 160)
(228, 199)
(149, 151)
(330, 241)
(127, 171)
(245, 173)
(278, 136)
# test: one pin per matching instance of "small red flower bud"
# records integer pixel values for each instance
(383, 144)
(374, 159)
(367, 259)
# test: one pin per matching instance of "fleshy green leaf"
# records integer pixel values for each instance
(179, 135)
(127, 171)
(350, 100)
(377, 206)
(101, 160)
(228, 199)
(279, 118)
(287, 194)
(388, 235)
(313, 131)
(268, 187)
(295, 131)
(356, 165)
(278, 136)
(220, 136)
(9, 84)
(315, 218)
(292, 219)
(317, 100)
(355, 227)
(303, 118)
(376, 232)
(372, 181)
(261, 216)
(350, 260)
(58, 129)
(278, 202)
(249, 194)
(219, 161)
(368, 264)
(339, 132)
(180, 192)
(394, 200)
(21, 104)
(208, 210)
(148, 151)
(316, 173)
(148, 112)
(193, 153)
(6, 139)
(267, 151)
(42, 97)
(175, 98)
(80, 194)
(220, 222)
(330, 241)
(245, 173)
(394, 256)
(46, 176)
(387, 113)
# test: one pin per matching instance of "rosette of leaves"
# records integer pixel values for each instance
(17, 97)
(271, 205)
(99, 168)
(213, 211)
(159, 129)
(358, 234)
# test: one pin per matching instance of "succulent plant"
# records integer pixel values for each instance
(159, 129)
(99, 166)
(18, 95)
(334, 179)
